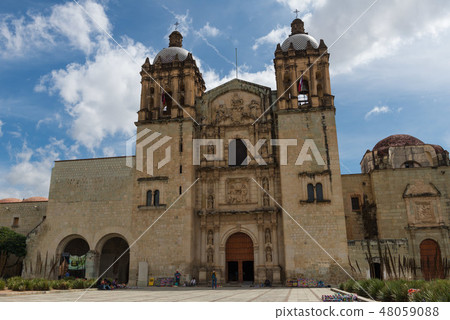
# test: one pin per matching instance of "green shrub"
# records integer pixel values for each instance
(10, 281)
(19, 284)
(91, 283)
(361, 287)
(349, 286)
(2, 284)
(39, 285)
(399, 291)
(374, 287)
(77, 284)
(60, 284)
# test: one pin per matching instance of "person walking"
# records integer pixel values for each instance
(177, 278)
(214, 280)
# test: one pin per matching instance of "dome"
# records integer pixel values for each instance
(10, 200)
(35, 199)
(168, 54)
(398, 140)
(299, 41)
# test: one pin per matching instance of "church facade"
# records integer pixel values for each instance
(264, 199)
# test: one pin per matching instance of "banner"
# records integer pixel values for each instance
(77, 262)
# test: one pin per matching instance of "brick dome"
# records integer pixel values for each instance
(10, 200)
(35, 199)
(397, 140)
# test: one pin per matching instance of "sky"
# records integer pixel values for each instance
(70, 84)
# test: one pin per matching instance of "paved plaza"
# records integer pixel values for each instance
(177, 294)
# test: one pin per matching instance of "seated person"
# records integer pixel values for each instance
(193, 282)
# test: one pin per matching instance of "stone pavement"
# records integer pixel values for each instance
(179, 294)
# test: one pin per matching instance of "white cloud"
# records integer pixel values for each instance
(30, 175)
(274, 37)
(380, 33)
(209, 31)
(184, 22)
(1, 125)
(56, 118)
(302, 5)
(21, 35)
(101, 95)
(377, 110)
(264, 77)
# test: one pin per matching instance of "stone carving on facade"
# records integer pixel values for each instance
(210, 237)
(210, 202)
(210, 255)
(268, 254)
(266, 200)
(238, 112)
(424, 212)
(237, 191)
(268, 237)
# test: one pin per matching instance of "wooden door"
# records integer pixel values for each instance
(430, 260)
(239, 248)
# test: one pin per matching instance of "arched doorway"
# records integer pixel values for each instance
(112, 249)
(73, 258)
(239, 258)
(430, 260)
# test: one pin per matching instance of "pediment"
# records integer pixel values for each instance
(421, 189)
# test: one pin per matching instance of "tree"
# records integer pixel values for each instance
(12, 243)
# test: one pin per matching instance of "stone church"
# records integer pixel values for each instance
(282, 212)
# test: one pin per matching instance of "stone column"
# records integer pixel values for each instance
(92, 262)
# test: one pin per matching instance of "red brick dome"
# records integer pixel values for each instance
(10, 200)
(35, 199)
(397, 140)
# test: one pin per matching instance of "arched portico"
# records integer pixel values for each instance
(114, 257)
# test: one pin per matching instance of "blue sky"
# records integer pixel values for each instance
(67, 91)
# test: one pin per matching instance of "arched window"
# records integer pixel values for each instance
(156, 198)
(319, 192)
(303, 92)
(310, 189)
(166, 103)
(149, 198)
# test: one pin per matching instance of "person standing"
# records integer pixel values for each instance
(214, 280)
(177, 278)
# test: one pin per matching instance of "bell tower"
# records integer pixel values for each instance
(302, 71)
(164, 169)
(170, 84)
(311, 188)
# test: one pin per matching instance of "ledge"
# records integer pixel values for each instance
(315, 201)
(161, 206)
(158, 178)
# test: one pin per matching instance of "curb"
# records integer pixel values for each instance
(26, 293)
(359, 299)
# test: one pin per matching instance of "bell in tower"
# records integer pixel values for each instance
(171, 84)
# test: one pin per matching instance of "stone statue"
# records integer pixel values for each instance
(211, 202)
(210, 237)
(210, 255)
(268, 254)
(268, 237)
(266, 200)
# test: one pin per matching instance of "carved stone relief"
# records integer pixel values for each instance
(424, 212)
(238, 112)
(237, 191)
